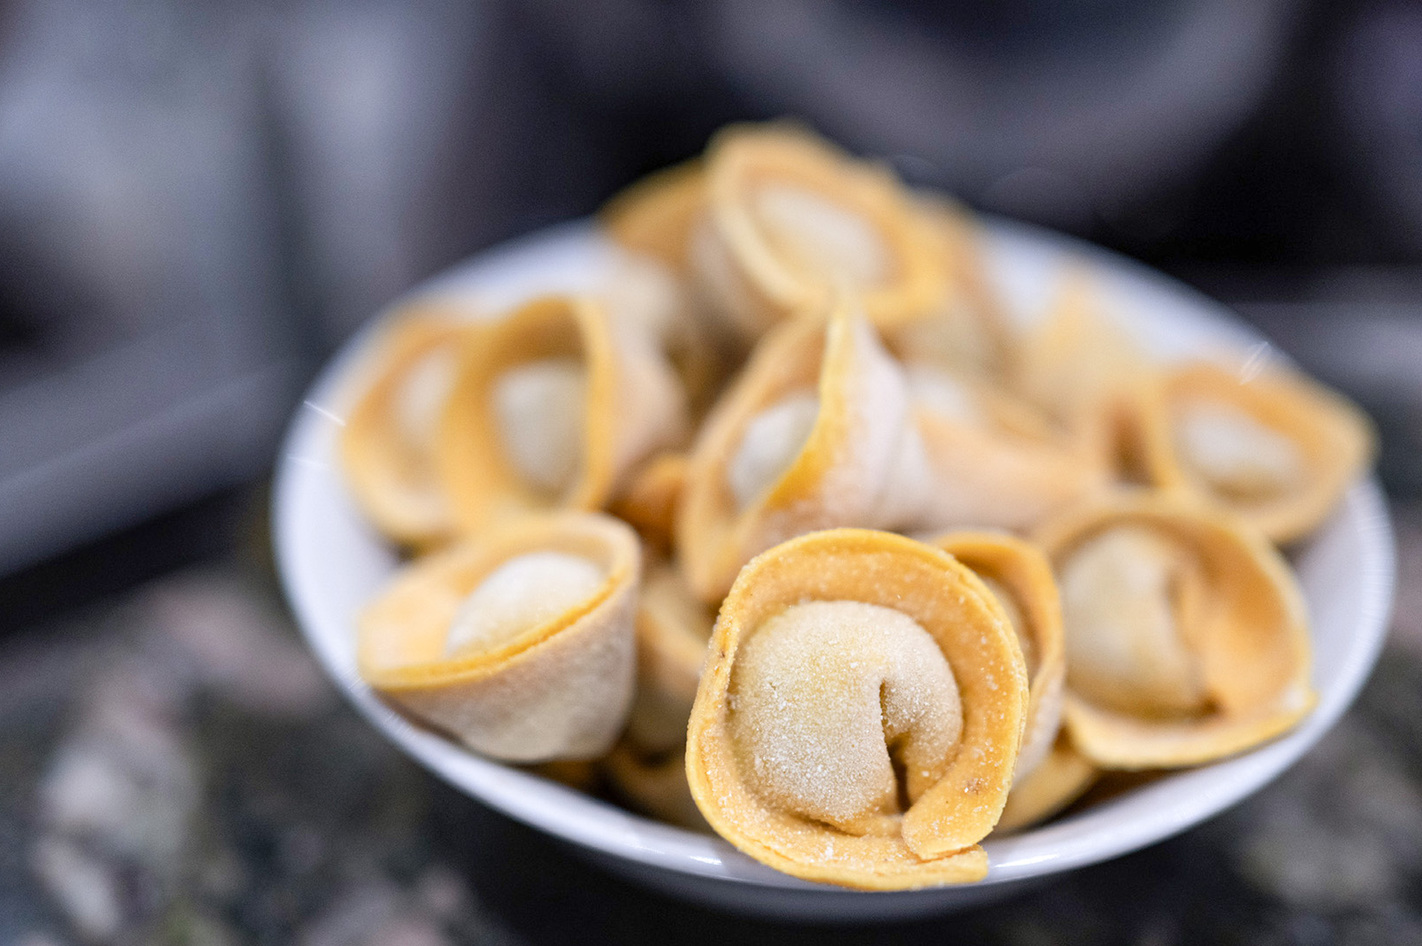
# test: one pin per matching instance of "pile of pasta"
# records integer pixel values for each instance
(784, 530)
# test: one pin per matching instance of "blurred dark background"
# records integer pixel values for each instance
(200, 200)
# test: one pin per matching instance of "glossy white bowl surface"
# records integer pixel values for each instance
(331, 562)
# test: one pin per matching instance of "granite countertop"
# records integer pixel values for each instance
(175, 769)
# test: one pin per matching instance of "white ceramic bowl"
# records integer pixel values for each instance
(331, 562)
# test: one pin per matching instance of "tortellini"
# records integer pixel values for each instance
(788, 527)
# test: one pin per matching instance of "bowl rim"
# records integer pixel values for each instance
(583, 820)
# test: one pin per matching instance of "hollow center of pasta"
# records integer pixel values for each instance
(420, 396)
(540, 406)
(521, 594)
(1130, 599)
(1019, 621)
(771, 442)
(843, 711)
(1235, 453)
(820, 237)
(941, 394)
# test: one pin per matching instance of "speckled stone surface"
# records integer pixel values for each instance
(174, 769)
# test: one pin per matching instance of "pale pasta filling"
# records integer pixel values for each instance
(519, 595)
(1235, 453)
(540, 407)
(843, 712)
(771, 442)
(820, 237)
(1127, 600)
(420, 396)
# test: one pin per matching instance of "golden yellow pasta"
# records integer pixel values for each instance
(652, 498)
(553, 408)
(672, 630)
(388, 445)
(789, 220)
(1020, 577)
(860, 714)
(1186, 634)
(648, 765)
(1273, 448)
(520, 643)
(655, 783)
(993, 460)
(966, 330)
(641, 294)
(815, 433)
(657, 215)
(865, 708)
(1084, 370)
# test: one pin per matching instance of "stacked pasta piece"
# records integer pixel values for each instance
(788, 531)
